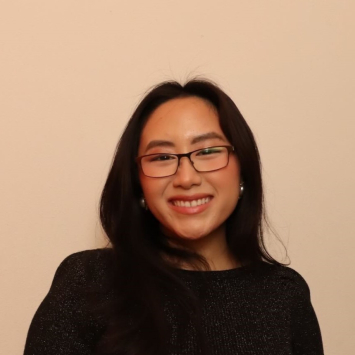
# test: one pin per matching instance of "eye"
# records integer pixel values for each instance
(209, 151)
(161, 157)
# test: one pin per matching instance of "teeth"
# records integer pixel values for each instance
(192, 203)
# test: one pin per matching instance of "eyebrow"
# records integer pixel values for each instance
(159, 143)
(206, 136)
(197, 139)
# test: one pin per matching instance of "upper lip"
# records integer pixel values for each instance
(189, 198)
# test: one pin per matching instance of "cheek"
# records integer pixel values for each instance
(153, 190)
(146, 186)
(229, 183)
(229, 188)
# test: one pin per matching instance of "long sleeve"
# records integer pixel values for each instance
(249, 310)
(63, 324)
(306, 335)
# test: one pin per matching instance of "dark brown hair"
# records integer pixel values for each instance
(142, 276)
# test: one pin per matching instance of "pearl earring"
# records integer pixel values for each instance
(143, 203)
(241, 190)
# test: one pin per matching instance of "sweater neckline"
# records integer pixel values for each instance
(216, 274)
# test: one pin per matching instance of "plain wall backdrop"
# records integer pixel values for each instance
(72, 72)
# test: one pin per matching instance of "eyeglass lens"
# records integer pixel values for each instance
(208, 159)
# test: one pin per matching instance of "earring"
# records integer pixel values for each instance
(241, 190)
(143, 203)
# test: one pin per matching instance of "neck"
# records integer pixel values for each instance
(213, 248)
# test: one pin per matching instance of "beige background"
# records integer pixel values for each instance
(71, 73)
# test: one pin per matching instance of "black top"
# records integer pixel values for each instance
(245, 311)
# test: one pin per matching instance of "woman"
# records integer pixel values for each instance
(187, 271)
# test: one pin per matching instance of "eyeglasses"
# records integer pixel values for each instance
(203, 160)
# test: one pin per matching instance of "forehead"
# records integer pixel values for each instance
(181, 120)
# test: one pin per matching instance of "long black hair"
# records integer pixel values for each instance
(142, 276)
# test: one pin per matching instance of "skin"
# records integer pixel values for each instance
(175, 124)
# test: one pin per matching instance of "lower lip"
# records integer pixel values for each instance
(190, 210)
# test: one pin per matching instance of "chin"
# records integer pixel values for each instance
(190, 234)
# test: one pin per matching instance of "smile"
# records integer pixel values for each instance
(193, 203)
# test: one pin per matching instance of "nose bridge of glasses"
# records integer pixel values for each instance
(188, 157)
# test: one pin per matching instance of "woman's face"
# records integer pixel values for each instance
(180, 126)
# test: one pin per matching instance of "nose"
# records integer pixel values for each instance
(186, 175)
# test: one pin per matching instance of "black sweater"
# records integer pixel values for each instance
(245, 311)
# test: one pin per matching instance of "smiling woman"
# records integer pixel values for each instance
(187, 271)
(206, 174)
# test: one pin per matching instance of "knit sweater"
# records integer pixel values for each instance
(245, 311)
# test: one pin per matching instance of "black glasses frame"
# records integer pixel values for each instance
(187, 155)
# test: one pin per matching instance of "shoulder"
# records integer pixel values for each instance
(87, 257)
(84, 267)
(284, 278)
(69, 319)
